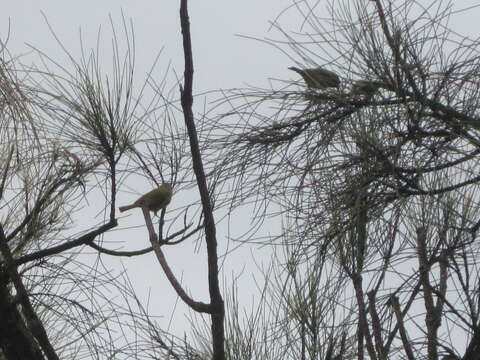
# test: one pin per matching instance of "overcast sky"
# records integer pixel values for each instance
(222, 60)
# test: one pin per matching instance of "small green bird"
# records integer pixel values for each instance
(154, 200)
(366, 87)
(318, 78)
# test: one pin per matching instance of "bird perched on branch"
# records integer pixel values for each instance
(154, 200)
(318, 78)
(366, 87)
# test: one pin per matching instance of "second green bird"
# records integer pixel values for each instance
(318, 78)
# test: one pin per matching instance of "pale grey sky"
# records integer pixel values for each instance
(222, 60)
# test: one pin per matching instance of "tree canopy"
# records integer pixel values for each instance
(371, 182)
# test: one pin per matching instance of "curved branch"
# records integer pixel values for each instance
(195, 305)
(82, 240)
(148, 249)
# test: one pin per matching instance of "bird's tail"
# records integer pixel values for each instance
(297, 70)
(128, 207)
